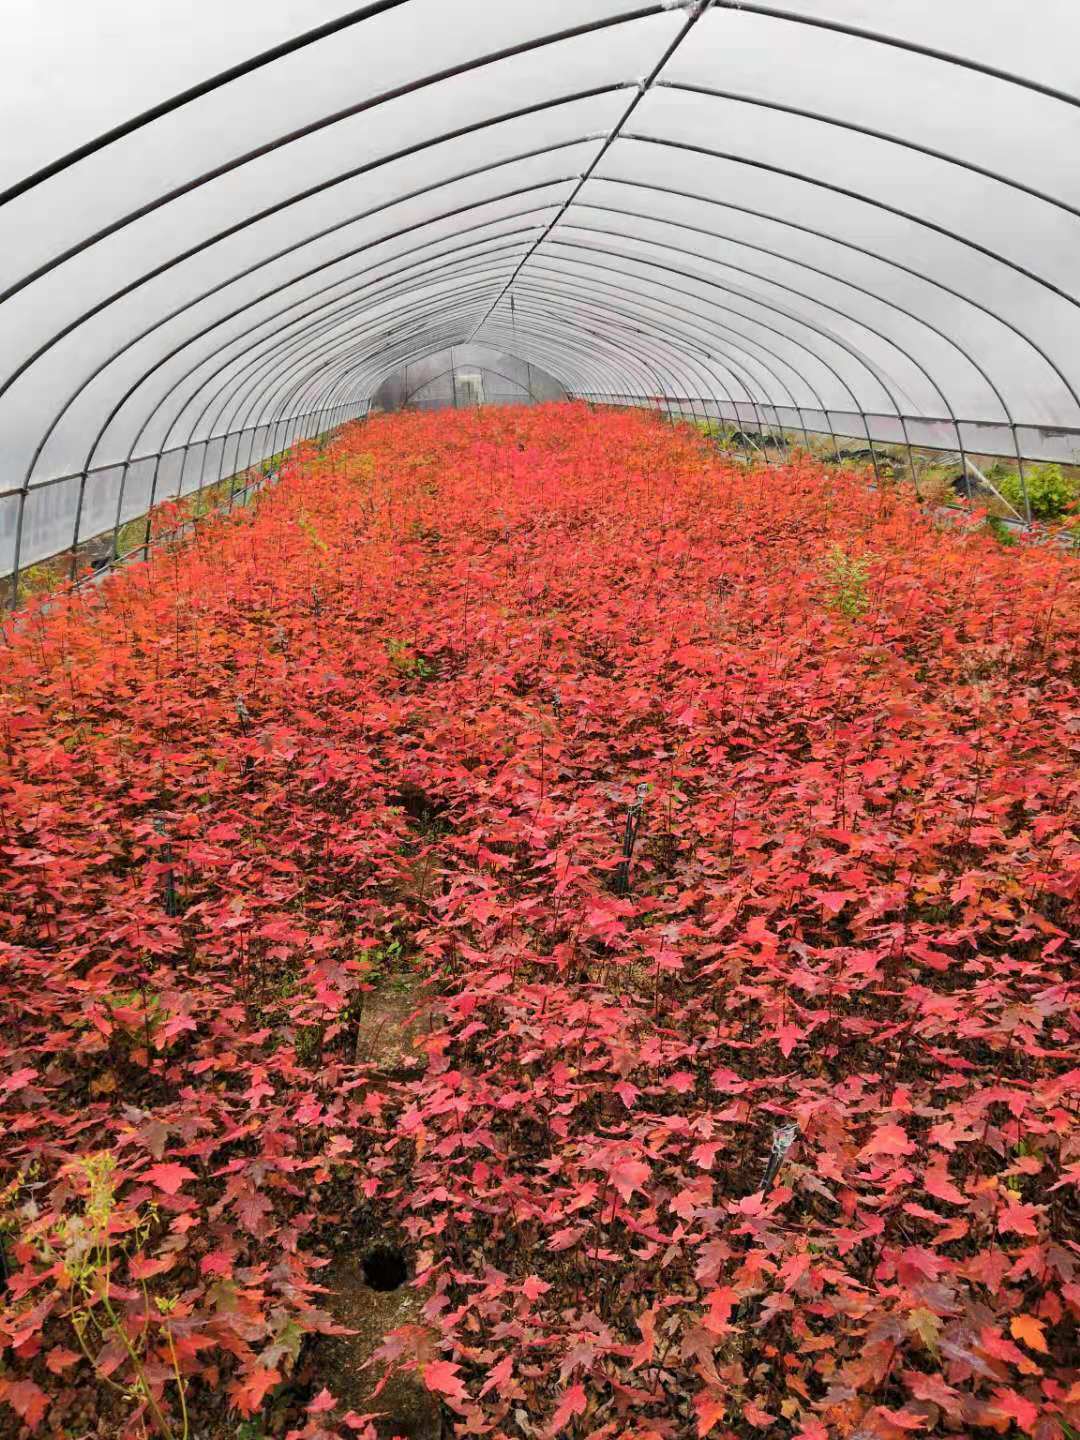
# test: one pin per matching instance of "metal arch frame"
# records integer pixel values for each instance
(689, 355)
(601, 298)
(487, 61)
(814, 300)
(488, 222)
(723, 4)
(313, 320)
(886, 260)
(528, 387)
(347, 362)
(211, 436)
(206, 443)
(709, 338)
(132, 390)
(489, 369)
(530, 337)
(307, 299)
(885, 301)
(337, 321)
(778, 284)
(353, 381)
(905, 215)
(231, 360)
(503, 219)
(697, 10)
(348, 376)
(372, 244)
(272, 375)
(339, 314)
(456, 267)
(758, 9)
(349, 384)
(870, 133)
(495, 220)
(791, 339)
(665, 220)
(602, 301)
(214, 356)
(859, 32)
(785, 223)
(644, 342)
(389, 361)
(548, 360)
(189, 444)
(557, 333)
(796, 262)
(311, 192)
(399, 92)
(822, 408)
(849, 284)
(402, 350)
(825, 363)
(750, 397)
(862, 199)
(354, 17)
(340, 309)
(515, 337)
(274, 362)
(196, 92)
(412, 326)
(655, 80)
(857, 406)
(258, 300)
(611, 180)
(288, 284)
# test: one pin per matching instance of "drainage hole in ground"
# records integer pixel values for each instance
(385, 1269)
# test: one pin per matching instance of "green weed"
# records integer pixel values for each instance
(846, 579)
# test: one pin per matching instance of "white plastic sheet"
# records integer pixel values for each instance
(221, 225)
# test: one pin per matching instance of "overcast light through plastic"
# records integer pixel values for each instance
(225, 225)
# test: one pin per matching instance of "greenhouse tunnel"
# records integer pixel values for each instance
(462, 377)
(540, 720)
(223, 232)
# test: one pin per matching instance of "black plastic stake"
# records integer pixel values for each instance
(173, 908)
(783, 1140)
(630, 835)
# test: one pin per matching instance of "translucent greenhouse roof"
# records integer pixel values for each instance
(223, 226)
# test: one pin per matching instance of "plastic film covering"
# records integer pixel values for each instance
(465, 375)
(224, 228)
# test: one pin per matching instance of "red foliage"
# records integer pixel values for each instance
(459, 644)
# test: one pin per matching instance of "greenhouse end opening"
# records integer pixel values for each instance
(539, 720)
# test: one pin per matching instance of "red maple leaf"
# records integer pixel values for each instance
(442, 1377)
(168, 1177)
(28, 1400)
(573, 1403)
(249, 1392)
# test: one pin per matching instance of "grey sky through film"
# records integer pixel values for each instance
(224, 225)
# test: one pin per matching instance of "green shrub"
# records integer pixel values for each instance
(846, 577)
(1050, 491)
